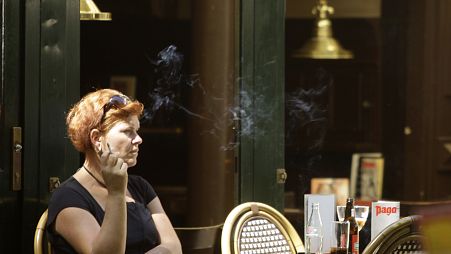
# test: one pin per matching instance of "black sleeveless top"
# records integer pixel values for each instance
(142, 234)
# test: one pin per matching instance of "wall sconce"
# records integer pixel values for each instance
(89, 11)
(322, 45)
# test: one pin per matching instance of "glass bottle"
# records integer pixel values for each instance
(353, 227)
(314, 232)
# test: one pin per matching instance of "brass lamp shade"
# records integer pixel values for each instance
(322, 45)
(89, 11)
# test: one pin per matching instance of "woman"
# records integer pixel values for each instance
(102, 209)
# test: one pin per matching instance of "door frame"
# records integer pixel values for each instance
(10, 116)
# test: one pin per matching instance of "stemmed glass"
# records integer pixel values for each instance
(361, 214)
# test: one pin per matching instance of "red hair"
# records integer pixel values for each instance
(87, 114)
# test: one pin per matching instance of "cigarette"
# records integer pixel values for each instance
(109, 148)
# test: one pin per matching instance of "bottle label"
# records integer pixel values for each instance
(312, 230)
(355, 244)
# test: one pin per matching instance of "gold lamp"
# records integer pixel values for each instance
(322, 45)
(89, 11)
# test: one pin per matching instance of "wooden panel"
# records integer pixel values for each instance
(51, 85)
(427, 100)
(441, 79)
(262, 59)
(393, 84)
(33, 208)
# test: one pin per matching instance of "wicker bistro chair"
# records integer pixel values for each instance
(41, 245)
(258, 228)
(401, 237)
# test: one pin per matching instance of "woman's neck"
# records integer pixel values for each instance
(92, 162)
(92, 166)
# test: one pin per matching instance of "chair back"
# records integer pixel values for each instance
(199, 239)
(255, 227)
(401, 237)
(41, 245)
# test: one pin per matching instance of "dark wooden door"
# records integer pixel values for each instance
(40, 80)
(10, 116)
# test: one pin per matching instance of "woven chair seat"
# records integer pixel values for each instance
(412, 246)
(256, 228)
(259, 235)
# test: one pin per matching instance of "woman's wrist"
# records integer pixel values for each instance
(116, 195)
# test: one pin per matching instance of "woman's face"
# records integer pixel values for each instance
(123, 140)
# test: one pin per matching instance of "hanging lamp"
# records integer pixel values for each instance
(89, 11)
(322, 45)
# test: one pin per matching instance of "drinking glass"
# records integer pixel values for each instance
(341, 212)
(340, 237)
(361, 214)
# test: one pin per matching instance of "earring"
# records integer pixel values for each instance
(99, 150)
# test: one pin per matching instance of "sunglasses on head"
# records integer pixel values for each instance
(116, 101)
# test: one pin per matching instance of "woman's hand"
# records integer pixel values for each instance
(114, 170)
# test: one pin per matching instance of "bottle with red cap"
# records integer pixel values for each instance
(353, 227)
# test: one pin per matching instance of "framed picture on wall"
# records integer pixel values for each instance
(367, 172)
(124, 84)
(371, 178)
(337, 186)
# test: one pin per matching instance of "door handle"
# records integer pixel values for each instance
(16, 174)
(281, 175)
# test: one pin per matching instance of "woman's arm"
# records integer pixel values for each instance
(170, 243)
(84, 234)
(81, 229)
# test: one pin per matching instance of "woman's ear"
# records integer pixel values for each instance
(95, 137)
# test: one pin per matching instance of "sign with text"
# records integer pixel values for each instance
(383, 213)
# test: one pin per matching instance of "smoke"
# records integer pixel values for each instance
(306, 125)
(244, 117)
(164, 98)
(306, 110)
(306, 113)
(163, 95)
